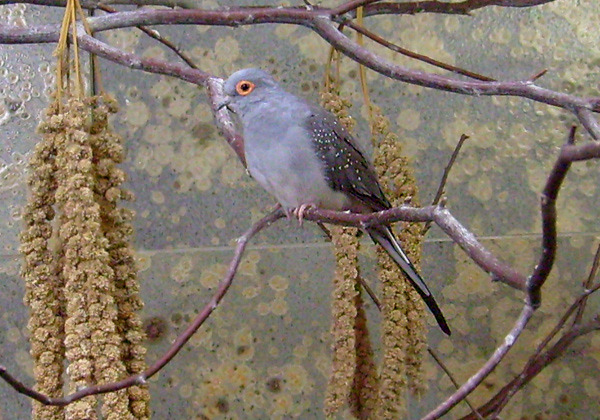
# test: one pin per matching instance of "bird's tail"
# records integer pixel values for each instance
(384, 236)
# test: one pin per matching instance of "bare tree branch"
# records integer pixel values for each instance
(448, 168)
(589, 121)
(372, 8)
(319, 20)
(524, 89)
(323, 22)
(487, 368)
(396, 48)
(587, 285)
(154, 34)
(450, 8)
(441, 364)
(181, 340)
(539, 360)
(548, 210)
(440, 216)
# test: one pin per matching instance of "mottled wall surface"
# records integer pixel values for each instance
(265, 352)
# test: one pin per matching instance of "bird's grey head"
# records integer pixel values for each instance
(248, 87)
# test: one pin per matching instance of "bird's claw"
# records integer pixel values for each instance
(298, 212)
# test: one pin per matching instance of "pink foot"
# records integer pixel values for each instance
(298, 212)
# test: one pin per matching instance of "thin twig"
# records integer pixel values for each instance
(441, 188)
(589, 121)
(552, 354)
(538, 364)
(444, 180)
(370, 292)
(538, 75)
(325, 231)
(396, 48)
(441, 364)
(153, 33)
(532, 368)
(587, 285)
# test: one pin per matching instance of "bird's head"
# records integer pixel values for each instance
(246, 88)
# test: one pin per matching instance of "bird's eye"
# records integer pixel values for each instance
(244, 87)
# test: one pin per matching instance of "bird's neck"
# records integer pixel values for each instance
(276, 113)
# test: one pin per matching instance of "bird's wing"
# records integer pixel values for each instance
(346, 168)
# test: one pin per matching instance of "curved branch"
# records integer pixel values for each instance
(214, 87)
(321, 21)
(487, 368)
(589, 121)
(142, 378)
(431, 6)
(460, 8)
(548, 209)
(212, 84)
(499, 270)
(540, 360)
(526, 89)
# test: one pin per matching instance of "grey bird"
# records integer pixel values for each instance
(302, 155)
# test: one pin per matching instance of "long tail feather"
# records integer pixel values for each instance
(383, 236)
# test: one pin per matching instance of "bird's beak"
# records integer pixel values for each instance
(225, 104)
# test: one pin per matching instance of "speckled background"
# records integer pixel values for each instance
(265, 352)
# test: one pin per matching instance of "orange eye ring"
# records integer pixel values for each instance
(244, 87)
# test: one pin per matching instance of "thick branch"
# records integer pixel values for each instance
(585, 151)
(526, 89)
(589, 121)
(320, 20)
(432, 6)
(549, 240)
(214, 87)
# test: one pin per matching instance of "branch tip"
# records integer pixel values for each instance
(538, 75)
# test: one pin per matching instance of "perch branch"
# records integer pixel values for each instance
(440, 216)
